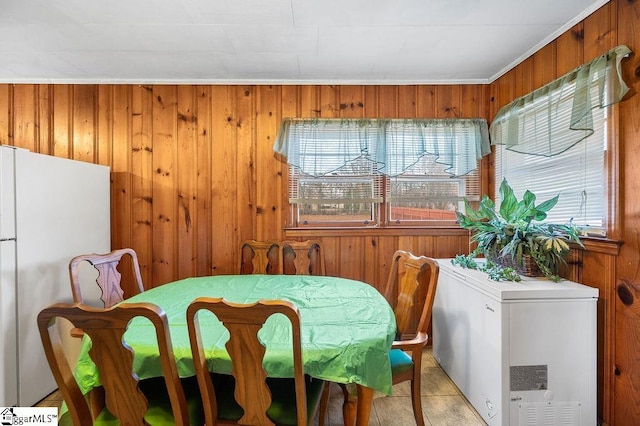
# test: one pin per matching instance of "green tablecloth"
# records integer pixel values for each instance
(347, 328)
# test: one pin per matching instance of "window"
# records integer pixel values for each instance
(555, 141)
(578, 175)
(370, 173)
(349, 196)
(427, 194)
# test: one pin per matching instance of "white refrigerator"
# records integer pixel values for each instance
(51, 209)
(523, 353)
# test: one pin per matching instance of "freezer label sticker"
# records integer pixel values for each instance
(528, 377)
(28, 416)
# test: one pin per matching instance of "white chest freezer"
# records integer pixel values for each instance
(523, 353)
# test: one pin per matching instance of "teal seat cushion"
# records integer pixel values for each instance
(159, 412)
(283, 403)
(400, 361)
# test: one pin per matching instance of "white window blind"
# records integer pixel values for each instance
(350, 194)
(553, 141)
(578, 174)
(427, 192)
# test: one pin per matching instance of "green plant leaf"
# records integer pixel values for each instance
(547, 205)
(509, 201)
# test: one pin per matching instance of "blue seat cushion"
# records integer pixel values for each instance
(283, 403)
(400, 361)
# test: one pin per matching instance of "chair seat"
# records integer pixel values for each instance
(281, 411)
(160, 412)
(400, 361)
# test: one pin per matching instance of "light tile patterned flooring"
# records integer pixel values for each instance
(442, 402)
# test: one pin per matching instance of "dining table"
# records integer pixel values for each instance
(347, 328)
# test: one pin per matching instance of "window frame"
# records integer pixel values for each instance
(381, 209)
(610, 208)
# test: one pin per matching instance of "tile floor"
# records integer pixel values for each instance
(442, 402)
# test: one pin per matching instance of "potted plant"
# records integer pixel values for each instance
(515, 237)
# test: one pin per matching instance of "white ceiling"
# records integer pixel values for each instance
(276, 41)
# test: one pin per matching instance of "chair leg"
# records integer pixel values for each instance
(349, 407)
(324, 405)
(416, 401)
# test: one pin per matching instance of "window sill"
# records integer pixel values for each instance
(602, 245)
(592, 244)
(375, 231)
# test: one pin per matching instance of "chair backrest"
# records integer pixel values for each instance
(302, 257)
(412, 280)
(113, 359)
(109, 278)
(243, 322)
(260, 257)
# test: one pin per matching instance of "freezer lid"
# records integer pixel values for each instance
(528, 289)
(7, 193)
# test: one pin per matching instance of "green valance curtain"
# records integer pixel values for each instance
(553, 118)
(319, 147)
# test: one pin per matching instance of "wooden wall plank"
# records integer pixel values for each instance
(329, 105)
(104, 128)
(370, 253)
(25, 132)
(309, 102)
(371, 102)
(352, 248)
(62, 107)
(164, 184)
(570, 49)
(544, 65)
(223, 182)
(600, 33)
(203, 178)
(472, 101)
(407, 101)
(351, 101)
(332, 259)
(624, 400)
(269, 184)
(45, 93)
(6, 112)
(186, 223)
(448, 100)
(121, 229)
(141, 174)
(387, 246)
(426, 102)
(246, 169)
(388, 101)
(84, 123)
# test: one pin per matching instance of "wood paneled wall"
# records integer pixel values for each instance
(194, 173)
(610, 266)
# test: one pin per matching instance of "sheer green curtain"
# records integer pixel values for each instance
(319, 147)
(552, 119)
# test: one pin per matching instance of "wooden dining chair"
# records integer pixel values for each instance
(123, 398)
(260, 257)
(411, 289)
(302, 257)
(248, 396)
(109, 278)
